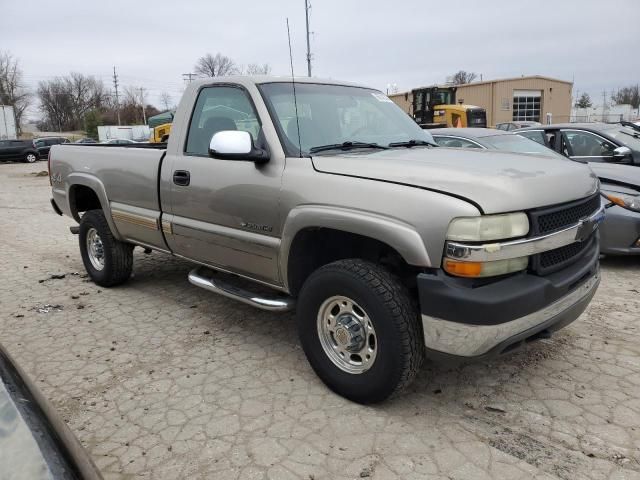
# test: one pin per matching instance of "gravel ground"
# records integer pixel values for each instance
(160, 379)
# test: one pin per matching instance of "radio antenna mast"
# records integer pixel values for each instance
(293, 82)
(306, 14)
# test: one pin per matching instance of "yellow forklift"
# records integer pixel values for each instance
(160, 127)
(436, 107)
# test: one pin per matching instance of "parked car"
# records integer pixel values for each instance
(44, 145)
(86, 140)
(489, 139)
(23, 150)
(36, 442)
(509, 126)
(589, 142)
(119, 141)
(620, 184)
(388, 248)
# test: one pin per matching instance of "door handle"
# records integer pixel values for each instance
(181, 177)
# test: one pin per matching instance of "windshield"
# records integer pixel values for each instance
(335, 114)
(626, 136)
(518, 144)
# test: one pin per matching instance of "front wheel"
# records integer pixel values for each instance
(30, 157)
(359, 330)
(108, 261)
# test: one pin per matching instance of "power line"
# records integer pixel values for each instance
(188, 77)
(115, 85)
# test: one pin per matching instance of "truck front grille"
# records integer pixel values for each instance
(558, 217)
(563, 216)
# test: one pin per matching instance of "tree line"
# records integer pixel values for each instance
(82, 102)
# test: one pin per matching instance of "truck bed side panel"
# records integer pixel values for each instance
(129, 178)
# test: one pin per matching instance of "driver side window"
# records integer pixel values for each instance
(217, 109)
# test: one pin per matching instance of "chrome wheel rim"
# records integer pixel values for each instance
(347, 335)
(95, 249)
(31, 158)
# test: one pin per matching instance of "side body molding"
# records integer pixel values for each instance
(398, 235)
(94, 183)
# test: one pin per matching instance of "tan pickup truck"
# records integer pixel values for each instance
(334, 202)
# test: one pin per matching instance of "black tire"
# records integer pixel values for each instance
(30, 157)
(118, 256)
(400, 348)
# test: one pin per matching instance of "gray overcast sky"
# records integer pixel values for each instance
(375, 42)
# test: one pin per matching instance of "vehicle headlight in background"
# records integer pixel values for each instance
(630, 202)
(488, 227)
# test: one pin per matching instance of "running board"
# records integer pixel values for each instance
(274, 304)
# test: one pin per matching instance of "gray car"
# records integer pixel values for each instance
(620, 184)
(589, 142)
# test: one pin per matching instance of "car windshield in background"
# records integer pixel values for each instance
(625, 135)
(339, 115)
(518, 144)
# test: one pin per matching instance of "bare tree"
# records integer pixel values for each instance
(461, 77)
(627, 95)
(166, 101)
(12, 89)
(217, 65)
(255, 69)
(65, 101)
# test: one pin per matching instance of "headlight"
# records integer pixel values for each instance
(630, 202)
(488, 227)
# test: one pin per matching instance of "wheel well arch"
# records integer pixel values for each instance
(313, 247)
(82, 199)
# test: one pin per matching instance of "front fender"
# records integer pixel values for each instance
(398, 235)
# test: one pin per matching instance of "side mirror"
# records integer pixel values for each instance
(236, 145)
(621, 153)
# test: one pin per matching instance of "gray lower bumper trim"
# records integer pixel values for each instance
(466, 340)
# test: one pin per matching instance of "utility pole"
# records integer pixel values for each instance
(604, 101)
(188, 77)
(144, 115)
(306, 12)
(115, 86)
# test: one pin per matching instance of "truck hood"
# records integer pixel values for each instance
(494, 181)
(625, 174)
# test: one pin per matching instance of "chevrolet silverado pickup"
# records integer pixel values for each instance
(333, 202)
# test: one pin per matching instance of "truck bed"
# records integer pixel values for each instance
(125, 179)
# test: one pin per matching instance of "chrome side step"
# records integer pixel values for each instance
(274, 304)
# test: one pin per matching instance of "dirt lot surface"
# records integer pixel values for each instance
(160, 379)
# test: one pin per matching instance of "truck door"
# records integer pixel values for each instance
(223, 213)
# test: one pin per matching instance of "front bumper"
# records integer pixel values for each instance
(478, 321)
(620, 232)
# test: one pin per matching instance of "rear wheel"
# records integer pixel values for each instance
(30, 157)
(108, 261)
(359, 330)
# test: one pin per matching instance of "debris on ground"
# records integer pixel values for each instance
(53, 276)
(47, 307)
(41, 173)
(490, 408)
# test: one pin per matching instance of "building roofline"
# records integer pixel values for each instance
(486, 82)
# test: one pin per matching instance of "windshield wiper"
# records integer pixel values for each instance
(345, 146)
(412, 143)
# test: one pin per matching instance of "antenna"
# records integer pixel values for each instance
(293, 81)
